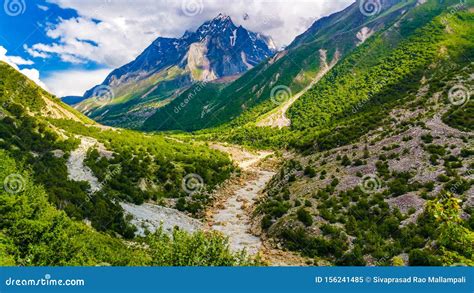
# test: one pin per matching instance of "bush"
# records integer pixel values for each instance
(310, 171)
(297, 203)
(304, 217)
(436, 149)
(353, 258)
(419, 257)
(397, 261)
(427, 138)
(442, 178)
(466, 153)
(346, 161)
(266, 222)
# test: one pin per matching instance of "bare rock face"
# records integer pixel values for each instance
(364, 34)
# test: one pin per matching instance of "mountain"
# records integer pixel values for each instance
(217, 49)
(384, 145)
(374, 168)
(21, 97)
(41, 130)
(305, 61)
(65, 179)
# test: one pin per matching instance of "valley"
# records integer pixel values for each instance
(231, 213)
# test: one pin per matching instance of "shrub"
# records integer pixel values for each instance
(436, 149)
(353, 258)
(266, 222)
(427, 138)
(304, 217)
(397, 261)
(297, 203)
(442, 178)
(310, 171)
(421, 257)
(346, 161)
(465, 153)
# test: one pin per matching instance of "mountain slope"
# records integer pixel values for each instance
(285, 74)
(168, 66)
(50, 216)
(327, 119)
(386, 152)
(15, 89)
(35, 233)
(44, 133)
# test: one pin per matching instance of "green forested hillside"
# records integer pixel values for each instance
(356, 94)
(374, 76)
(384, 172)
(34, 232)
(33, 136)
(49, 219)
(250, 96)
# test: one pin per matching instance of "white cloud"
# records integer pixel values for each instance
(35, 54)
(16, 61)
(74, 82)
(20, 61)
(125, 28)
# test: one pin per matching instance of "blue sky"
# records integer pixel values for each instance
(68, 46)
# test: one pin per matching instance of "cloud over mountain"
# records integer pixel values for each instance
(103, 33)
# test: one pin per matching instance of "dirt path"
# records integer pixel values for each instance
(234, 220)
(277, 118)
(231, 213)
